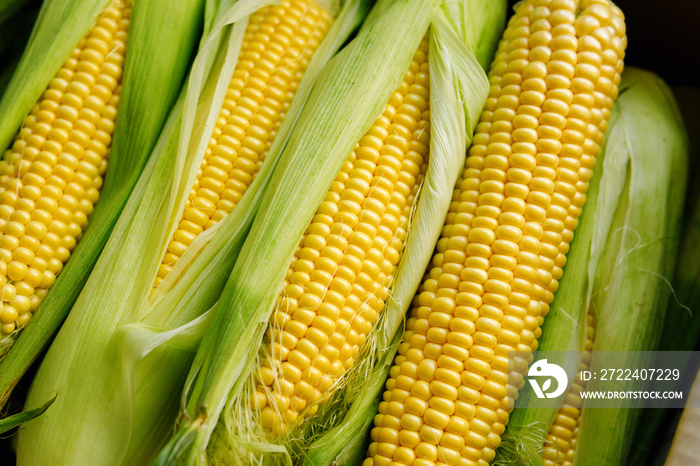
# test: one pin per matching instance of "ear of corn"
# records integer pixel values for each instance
(237, 420)
(633, 279)
(345, 442)
(195, 286)
(608, 212)
(53, 172)
(504, 243)
(148, 83)
(97, 344)
(340, 110)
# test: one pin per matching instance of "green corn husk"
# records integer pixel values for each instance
(161, 39)
(350, 94)
(633, 281)
(118, 412)
(624, 276)
(681, 330)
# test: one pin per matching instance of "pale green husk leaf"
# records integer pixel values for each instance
(635, 270)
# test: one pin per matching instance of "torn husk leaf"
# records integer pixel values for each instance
(94, 355)
(632, 285)
(153, 73)
(15, 420)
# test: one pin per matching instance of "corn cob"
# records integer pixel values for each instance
(52, 174)
(503, 246)
(560, 445)
(339, 278)
(351, 93)
(147, 222)
(278, 45)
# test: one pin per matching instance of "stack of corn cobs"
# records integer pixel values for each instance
(311, 232)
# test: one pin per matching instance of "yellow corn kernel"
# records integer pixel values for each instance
(560, 445)
(278, 45)
(340, 276)
(50, 178)
(512, 216)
